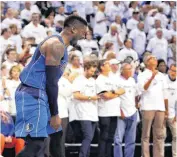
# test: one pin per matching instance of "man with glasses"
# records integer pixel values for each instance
(154, 106)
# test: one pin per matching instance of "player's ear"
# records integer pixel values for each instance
(73, 30)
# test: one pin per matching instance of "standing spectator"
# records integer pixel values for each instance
(127, 122)
(34, 29)
(100, 27)
(84, 92)
(132, 22)
(121, 28)
(127, 51)
(16, 38)
(154, 107)
(161, 66)
(114, 63)
(10, 19)
(172, 51)
(25, 14)
(108, 108)
(11, 58)
(172, 99)
(172, 31)
(114, 37)
(57, 140)
(139, 39)
(158, 46)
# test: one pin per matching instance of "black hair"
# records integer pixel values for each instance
(4, 30)
(160, 61)
(89, 64)
(74, 19)
(127, 40)
(9, 50)
(101, 63)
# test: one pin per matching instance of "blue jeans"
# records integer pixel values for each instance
(126, 129)
(88, 130)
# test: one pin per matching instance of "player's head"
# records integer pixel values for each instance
(76, 27)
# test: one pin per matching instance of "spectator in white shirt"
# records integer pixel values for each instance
(100, 27)
(154, 106)
(114, 37)
(152, 32)
(88, 45)
(166, 7)
(132, 23)
(5, 40)
(127, 51)
(172, 31)
(114, 63)
(108, 108)
(121, 28)
(64, 101)
(16, 38)
(11, 85)
(60, 16)
(26, 13)
(172, 51)
(85, 95)
(9, 20)
(139, 39)
(11, 58)
(172, 100)
(127, 122)
(34, 29)
(75, 66)
(158, 46)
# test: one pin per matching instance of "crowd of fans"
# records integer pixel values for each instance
(122, 35)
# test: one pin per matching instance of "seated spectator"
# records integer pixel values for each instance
(26, 13)
(88, 45)
(6, 136)
(10, 19)
(16, 38)
(60, 16)
(162, 67)
(108, 48)
(34, 29)
(11, 58)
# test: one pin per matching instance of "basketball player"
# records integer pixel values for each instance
(36, 97)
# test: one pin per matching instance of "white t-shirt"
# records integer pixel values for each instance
(158, 47)
(171, 95)
(7, 22)
(153, 97)
(86, 110)
(39, 32)
(124, 53)
(9, 65)
(64, 96)
(100, 28)
(113, 39)
(139, 40)
(132, 24)
(17, 40)
(162, 18)
(128, 105)
(87, 45)
(59, 17)
(79, 70)
(26, 14)
(12, 86)
(107, 108)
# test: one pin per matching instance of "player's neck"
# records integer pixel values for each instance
(66, 38)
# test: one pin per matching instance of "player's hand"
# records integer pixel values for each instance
(166, 114)
(55, 122)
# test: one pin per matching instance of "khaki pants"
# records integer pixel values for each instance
(156, 119)
(173, 130)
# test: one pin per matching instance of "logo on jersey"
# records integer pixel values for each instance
(29, 127)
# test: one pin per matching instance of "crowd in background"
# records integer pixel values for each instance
(119, 32)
